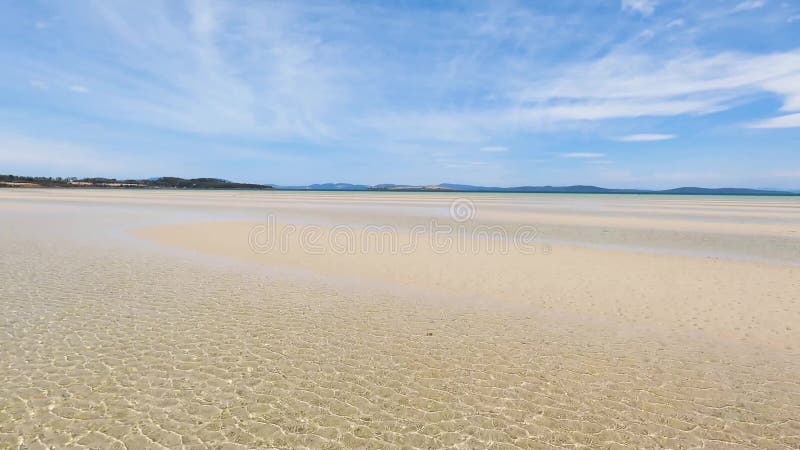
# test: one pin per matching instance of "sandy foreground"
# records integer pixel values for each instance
(144, 319)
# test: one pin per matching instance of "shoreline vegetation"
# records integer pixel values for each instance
(112, 183)
(15, 181)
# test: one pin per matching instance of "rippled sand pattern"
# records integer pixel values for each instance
(105, 352)
(107, 341)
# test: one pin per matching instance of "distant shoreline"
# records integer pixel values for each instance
(27, 182)
(765, 194)
(377, 191)
(566, 190)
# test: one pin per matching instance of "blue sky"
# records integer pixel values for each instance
(631, 93)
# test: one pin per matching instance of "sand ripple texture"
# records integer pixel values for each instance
(103, 351)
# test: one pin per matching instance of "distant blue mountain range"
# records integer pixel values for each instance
(577, 189)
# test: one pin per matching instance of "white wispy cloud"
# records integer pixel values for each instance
(693, 81)
(676, 23)
(247, 70)
(582, 155)
(645, 137)
(623, 84)
(748, 5)
(464, 164)
(476, 125)
(786, 121)
(643, 7)
(494, 149)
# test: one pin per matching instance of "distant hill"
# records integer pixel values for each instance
(150, 183)
(722, 191)
(202, 183)
(577, 189)
(402, 187)
(583, 189)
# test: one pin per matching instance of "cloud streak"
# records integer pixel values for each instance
(643, 7)
(645, 137)
(494, 149)
(748, 5)
(582, 155)
(689, 83)
(787, 121)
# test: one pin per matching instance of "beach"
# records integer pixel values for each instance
(245, 319)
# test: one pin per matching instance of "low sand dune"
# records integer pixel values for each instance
(147, 319)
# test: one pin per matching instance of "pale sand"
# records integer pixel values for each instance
(611, 335)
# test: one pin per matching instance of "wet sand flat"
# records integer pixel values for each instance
(142, 319)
